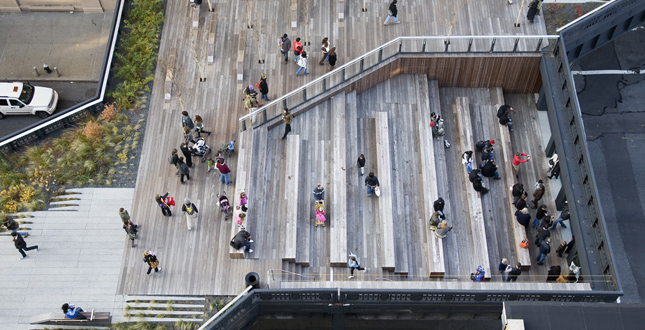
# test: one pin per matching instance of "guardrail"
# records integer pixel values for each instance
(69, 117)
(399, 46)
(369, 302)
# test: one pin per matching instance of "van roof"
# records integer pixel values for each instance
(10, 89)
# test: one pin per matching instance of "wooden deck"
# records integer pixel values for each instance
(197, 261)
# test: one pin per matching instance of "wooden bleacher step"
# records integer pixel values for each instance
(480, 245)
(337, 208)
(242, 182)
(428, 170)
(291, 178)
(386, 229)
(505, 152)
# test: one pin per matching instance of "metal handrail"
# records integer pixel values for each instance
(399, 40)
(221, 311)
(270, 273)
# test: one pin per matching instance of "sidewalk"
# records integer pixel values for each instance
(79, 261)
(75, 43)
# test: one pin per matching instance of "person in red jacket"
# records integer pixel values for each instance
(297, 49)
(517, 160)
(224, 172)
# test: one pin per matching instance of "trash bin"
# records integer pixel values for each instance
(253, 279)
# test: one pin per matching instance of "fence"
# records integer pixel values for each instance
(71, 116)
(391, 50)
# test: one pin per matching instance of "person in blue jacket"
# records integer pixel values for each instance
(478, 276)
(72, 312)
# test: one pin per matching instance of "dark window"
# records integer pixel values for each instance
(3, 102)
(15, 103)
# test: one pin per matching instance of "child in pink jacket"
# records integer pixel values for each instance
(320, 215)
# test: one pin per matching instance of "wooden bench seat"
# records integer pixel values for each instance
(91, 317)
(242, 182)
(428, 171)
(210, 52)
(195, 15)
(291, 176)
(480, 246)
(337, 208)
(170, 67)
(505, 155)
(387, 258)
(241, 46)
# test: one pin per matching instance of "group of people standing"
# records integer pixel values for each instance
(301, 55)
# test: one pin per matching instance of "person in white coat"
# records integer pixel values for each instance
(302, 63)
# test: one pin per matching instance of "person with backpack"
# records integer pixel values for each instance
(504, 115)
(190, 210)
(184, 170)
(353, 264)
(242, 239)
(482, 145)
(478, 186)
(297, 49)
(151, 259)
(131, 231)
(161, 202)
(474, 174)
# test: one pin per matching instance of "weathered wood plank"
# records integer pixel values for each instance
(338, 176)
(211, 41)
(385, 200)
(291, 197)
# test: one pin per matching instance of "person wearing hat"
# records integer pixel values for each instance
(190, 210)
(285, 47)
(478, 276)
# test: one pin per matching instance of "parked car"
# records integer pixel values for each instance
(18, 98)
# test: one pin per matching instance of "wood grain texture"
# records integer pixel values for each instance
(387, 261)
(338, 192)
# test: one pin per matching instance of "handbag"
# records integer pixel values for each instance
(377, 191)
(524, 243)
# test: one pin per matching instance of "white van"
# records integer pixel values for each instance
(18, 98)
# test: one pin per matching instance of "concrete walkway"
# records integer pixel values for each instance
(81, 248)
(73, 42)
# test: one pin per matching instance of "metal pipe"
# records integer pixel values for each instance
(221, 311)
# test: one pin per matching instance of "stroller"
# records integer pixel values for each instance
(224, 205)
(227, 148)
(200, 149)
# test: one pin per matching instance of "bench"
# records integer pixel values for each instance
(242, 180)
(480, 245)
(337, 212)
(341, 12)
(210, 52)
(241, 46)
(387, 259)
(294, 14)
(428, 170)
(170, 67)
(505, 155)
(195, 17)
(92, 317)
(291, 176)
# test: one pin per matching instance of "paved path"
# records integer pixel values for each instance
(79, 259)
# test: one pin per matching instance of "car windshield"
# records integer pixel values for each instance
(27, 93)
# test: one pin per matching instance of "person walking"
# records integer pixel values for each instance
(514, 273)
(285, 47)
(186, 121)
(21, 245)
(504, 115)
(332, 58)
(372, 183)
(533, 9)
(361, 164)
(242, 239)
(264, 87)
(199, 126)
(393, 12)
(151, 259)
(190, 210)
(131, 231)
(545, 249)
(287, 118)
(125, 217)
(479, 187)
(517, 160)
(564, 215)
(174, 160)
(353, 264)
(489, 169)
(325, 50)
(165, 207)
(319, 192)
(302, 63)
(184, 170)
(297, 49)
(224, 172)
(537, 194)
(187, 154)
(188, 136)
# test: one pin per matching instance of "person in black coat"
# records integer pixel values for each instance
(361, 163)
(21, 245)
(533, 9)
(439, 205)
(264, 87)
(175, 158)
(518, 192)
(393, 13)
(332, 58)
(477, 185)
(523, 217)
(553, 273)
(514, 273)
(541, 213)
(474, 174)
(161, 202)
(490, 170)
(371, 182)
(242, 239)
(187, 155)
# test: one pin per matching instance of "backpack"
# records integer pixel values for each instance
(480, 145)
(501, 111)
(189, 209)
(524, 243)
(170, 160)
(503, 120)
